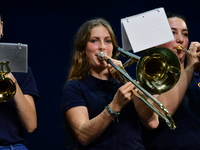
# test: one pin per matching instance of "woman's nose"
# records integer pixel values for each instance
(102, 46)
(179, 39)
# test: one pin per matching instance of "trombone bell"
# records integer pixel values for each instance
(158, 70)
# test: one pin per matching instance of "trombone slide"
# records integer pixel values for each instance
(167, 117)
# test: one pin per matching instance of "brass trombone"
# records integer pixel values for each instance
(157, 71)
(7, 86)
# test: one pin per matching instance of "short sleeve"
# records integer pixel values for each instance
(72, 96)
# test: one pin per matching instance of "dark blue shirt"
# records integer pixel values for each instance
(11, 130)
(95, 94)
(187, 119)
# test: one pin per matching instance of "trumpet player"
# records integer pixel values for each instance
(185, 110)
(18, 113)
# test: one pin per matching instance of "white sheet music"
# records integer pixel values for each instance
(145, 30)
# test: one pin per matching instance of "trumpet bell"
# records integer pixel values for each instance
(158, 70)
(7, 88)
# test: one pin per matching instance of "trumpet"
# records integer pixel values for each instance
(7, 86)
(157, 71)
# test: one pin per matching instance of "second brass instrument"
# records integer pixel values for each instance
(7, 86)
(157, 71)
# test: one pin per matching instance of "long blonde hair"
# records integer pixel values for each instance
(80, 66)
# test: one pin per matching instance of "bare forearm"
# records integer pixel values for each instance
(26, 110)
(146, 115)
(172, 99)
(91, 129)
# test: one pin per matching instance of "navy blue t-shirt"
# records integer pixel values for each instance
(187, 119)
(11, 130)
(95, 94)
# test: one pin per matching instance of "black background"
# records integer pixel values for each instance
(48, 27)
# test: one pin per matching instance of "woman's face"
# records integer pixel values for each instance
(180, 32)
(100, 40)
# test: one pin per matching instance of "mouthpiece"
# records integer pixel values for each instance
(179, 48)
(101, 55)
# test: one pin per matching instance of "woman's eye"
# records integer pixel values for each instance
(173, 32)
(108, 41)
(185, 34)
(93, 41)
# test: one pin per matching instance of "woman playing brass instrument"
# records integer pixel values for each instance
(185, 110)
(101, 112)
(18, 113)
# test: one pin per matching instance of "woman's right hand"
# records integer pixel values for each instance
(123, 96)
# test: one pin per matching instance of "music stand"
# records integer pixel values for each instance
(16, 54)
